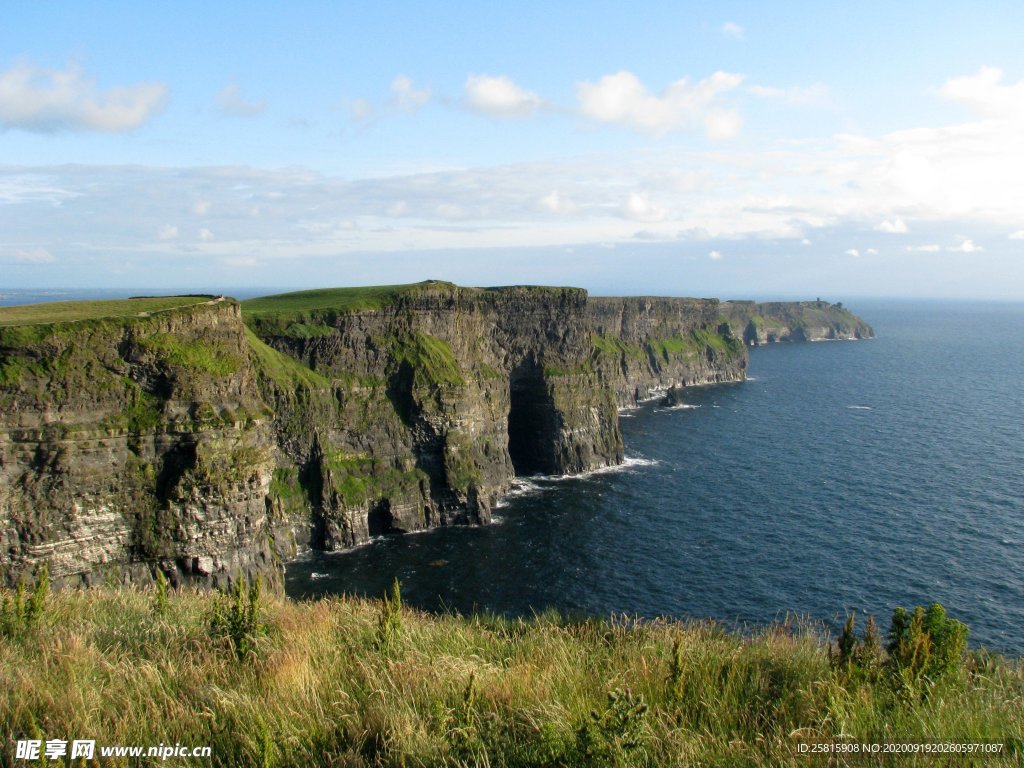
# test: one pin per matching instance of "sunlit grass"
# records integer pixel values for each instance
(74, 311)
(323, 687)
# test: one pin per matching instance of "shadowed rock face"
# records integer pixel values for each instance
(126, 443)
(186, 442)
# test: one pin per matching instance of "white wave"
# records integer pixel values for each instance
(679, 407)
(627, 415)
(860, 407)
(629, 463)
(640, 461)
(314, 576)
(521, 486)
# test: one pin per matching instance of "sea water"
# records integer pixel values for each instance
(841, 476)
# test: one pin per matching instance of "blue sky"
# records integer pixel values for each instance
(729, 149)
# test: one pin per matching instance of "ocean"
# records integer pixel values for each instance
(842, 476)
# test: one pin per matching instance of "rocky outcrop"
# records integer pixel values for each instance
(645, 346)
(132, 444)
(771, 322)
(186, 441)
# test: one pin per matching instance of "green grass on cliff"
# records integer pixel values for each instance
(352, 682)
(74, 311)
(694, 344)
(343, 300)
(287, 373)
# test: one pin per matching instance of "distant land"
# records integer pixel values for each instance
(209, 439)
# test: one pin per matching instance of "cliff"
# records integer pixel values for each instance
(771, 322)
(644, 346)
(131, 441)
(169, 434)
(429, 399)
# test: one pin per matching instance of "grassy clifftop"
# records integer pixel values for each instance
(76, 311)
(363, 683)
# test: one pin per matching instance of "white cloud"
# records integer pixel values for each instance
(816, 95)
(984, 94)
(230, 101)
(930, 248)
(239, 261)
(871, 252)
(500, 97)
(715, 255)
(556, 203)
(966, 246)
(734, 30)
(1018, 235)
(405, 95)
(205, 235)
(361, 109)
(45, 100)
(805, 241)
(893, 227)
(34, 256)
(621, 98)
(201, 207)
(638, 207)
(852, 252)
(167, 232)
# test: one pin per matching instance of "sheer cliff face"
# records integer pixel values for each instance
(644, 346)
(440, 399)
(187, 442)
(130, 442)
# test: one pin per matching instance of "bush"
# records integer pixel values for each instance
(237, 619)
(925, 647)
(612, 736)
(389, 625)
(160, 600)
(21, 612)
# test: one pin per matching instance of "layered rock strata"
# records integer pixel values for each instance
(128, 444)
(645, 346)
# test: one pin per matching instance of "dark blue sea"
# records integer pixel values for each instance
(842, 476)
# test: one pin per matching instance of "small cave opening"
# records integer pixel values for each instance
(378, 519)
(531, 422)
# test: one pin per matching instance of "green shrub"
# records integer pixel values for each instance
(389, 625)
(160, 600)
(21, 612)
(858, 660)
(924, 647)
(612, 736)
(237, 619)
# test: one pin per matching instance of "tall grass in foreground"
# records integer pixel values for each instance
(352, 682)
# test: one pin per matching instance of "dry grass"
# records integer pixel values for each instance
(323, 690)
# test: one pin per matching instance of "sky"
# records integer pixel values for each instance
(733, 149)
